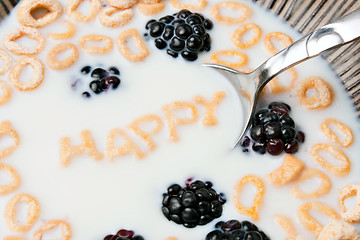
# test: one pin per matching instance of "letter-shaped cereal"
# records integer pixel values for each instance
(201, 4)
(246, 12)
(239, 56)
(350, 215)
(239, 32)
(4, 189)
(210, 118)
(338, 230)
(5, 92)
(124, 49)
(287, 172)
(49, 225)
(5, 128)
(325, 128)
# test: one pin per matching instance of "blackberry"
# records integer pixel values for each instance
(124, 234)
(236, 230)
(183, 33)
(195, 204)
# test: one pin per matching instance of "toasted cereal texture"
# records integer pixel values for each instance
(121, 4)
(241, 58)
(54, 63)
(5, 92)
(338, 230)
(287, 225)
(71, 10)
(210, 119)
(96, 38)
(197, 6)
(287, 172)
(10, 43)
(31, 216)
(239, 32)
(150, 1)
(149, 9)
(279, 36)
(309, 173)
(14, 238)
(172, 120)
(71, 30)
(246, 12)
(311, 223)
(35, 81)
(6, 129)
(337, 153)
(7, 61)
(125, 51)
(114, 17)
(49, 225)
(350, 215)
(325, 128)
(276, 87)
(12, 186)
(26, 6)
(252, 211)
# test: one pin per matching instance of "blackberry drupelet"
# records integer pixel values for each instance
(183, 33)
(124, 234)
(236, 230)
(195, 204)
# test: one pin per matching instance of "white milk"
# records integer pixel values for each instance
(98, 198)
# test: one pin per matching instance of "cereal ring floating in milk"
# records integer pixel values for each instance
(338, 230)
(276, 87)
(35, 81)
(321, 99)
(151, 8)
(246, 12)
(72, 6)
(279, 36)
(350, 215)
(10, 43)
(309, 173)
(241, 58)
(325, 128)
(124, 49)
(7, 59)
(121, 4)
(10, 187)
(96, 38)
(31, 216)
(27, 6)
(49, 225)
(6, 129)
(338, 170)
(5, 92)
(54, 63)
(114, 17)
(239, 32)
(252, 211)
(71, 29)
(201, 4)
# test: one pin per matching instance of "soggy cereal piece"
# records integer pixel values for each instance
(10, 43)
(7, 61)
(350, 215)
(241, 58)
(31, 216)
(252, 211)
(246, 12)
(114, 17)
(124, 49)
(122, 4)
(129, 147)
(147, 135)
(96, 38)
(210, 119)
(35, 81)
(321, 99)
(325, 128)
(71, 10)
(276, 87)
(87, 146)
(338, 230)
(27, 6)
(287, 172)
(5, 92)
(14, 238)
(239, 32)
(149, 9)
(54, 63)
(6, 129)
(287, 225)
(311, 223)
(281, 37)
(12, 186)
(71, 30)
(49, 225)
(309, 173)
(200, 5)
(171, 238)
(338, 170)
(172, 120)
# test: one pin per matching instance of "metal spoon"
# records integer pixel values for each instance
(249, 85)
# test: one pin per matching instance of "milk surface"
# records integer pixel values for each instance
(99, 197)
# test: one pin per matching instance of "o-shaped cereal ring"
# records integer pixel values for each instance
(56, 64)
(27, 6)
(68, 34)
(239, 32)
(323, 97)
(71, 10)
(32, 214)
(245, 10)
(151, 8)
(325, 128)
(7, 59)
(4, 189)
(114, 17)
(37, 78)
(276, 87)
(338, 170)
(121, 4)
(10, 43)
(5, 128)
(285, 40)
(5, 92)
(125, 51)
(96, 38)
(49, 225)
(201, 4)
(350, 215)
(242, 58)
